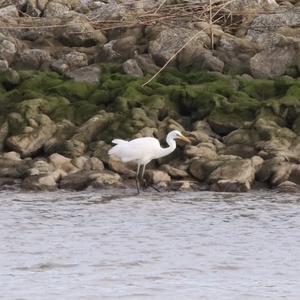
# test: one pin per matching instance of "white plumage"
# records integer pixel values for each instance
(143, 150)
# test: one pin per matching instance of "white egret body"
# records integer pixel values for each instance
(142, 150)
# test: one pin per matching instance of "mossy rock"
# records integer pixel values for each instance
(258, 88)
(74, 90)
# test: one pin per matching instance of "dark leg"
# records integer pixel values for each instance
(144, 181)
(137, 181)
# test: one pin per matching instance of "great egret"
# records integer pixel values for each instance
(142, 150)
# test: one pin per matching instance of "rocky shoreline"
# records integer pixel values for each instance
(67, 89)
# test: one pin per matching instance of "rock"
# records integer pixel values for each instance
(65, 129)
(11, 77)
(8, 48)
(39, 183)
(121, 168)
(3, 65)
(105, 179)
(3, 134)
(288, 187)
(87, 74)
(42, 167)
(35, 59)
(273, 62)
(29, 143)
(146, 63)
(13, 156)
(9, 11)
(87, 133)
(207, 61)
(200, 168)
(80, 33)
(101, 151)
(96, 164)
(174, 172)
(112, 10)
(63, 163)
(269, 23)
(80, 162)
(157, 176)
(184, 185)
(236, 53)
(4, 181)
(76, 181)
(55, 9)
(131, 67)
(205, 150)
(235, 175)
(241, 5)
(169, 40)
(275, 171)
(14, 168)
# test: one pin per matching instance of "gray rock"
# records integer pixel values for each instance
(273, 62)
(131, 67)
(235, 175)
(80, 33)
(39, 183)
(105, 179)
(88, 74)
(170, 40)
(3, 66)
(9, 11)
(8, 48)
(288, 187)
(35, 58)
(29, 143)
(76, 181)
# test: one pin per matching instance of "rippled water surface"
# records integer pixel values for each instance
(115, 245)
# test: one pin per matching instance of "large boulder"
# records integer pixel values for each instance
(28, 143)
(85, 74)
(170, 39)
(235, 175)
(80, 33)
(86, 133)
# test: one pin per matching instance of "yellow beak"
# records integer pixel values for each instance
(184, 138)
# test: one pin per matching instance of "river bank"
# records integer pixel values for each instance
(68, 88)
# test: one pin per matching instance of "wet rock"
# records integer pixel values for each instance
(235, 175)
(157, 176)
(13, 167)
(29, 143)
(288, 187)
(274, 171)
(105, 179)
(131, 67)
(39, 183)
(87, 74)
(184, 185)
(63, 163)
(76, 181)
(174, 172)
(200, 168)
(5, 181)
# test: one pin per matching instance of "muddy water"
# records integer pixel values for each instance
(115, 245)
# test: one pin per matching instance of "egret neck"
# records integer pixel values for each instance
(172, 146)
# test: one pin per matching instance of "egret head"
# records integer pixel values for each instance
(175, 134)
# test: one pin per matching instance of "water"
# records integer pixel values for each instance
(114, 245)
